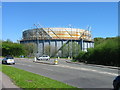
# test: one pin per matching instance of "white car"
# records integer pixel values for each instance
(8, 60)
(44, 57)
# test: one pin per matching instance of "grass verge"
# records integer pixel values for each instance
(25, 79)
(73, 60)
(0, 67)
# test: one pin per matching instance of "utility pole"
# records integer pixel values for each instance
(37, 39)
(72, 45)
(71, 41)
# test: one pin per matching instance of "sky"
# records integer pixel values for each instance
(19, 16)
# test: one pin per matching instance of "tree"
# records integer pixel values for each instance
(10, 48)
(71, 49)
(30, 49)
(9, 41)
(0, 47)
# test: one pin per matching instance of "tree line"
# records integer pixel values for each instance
(17, 49)
(105, 52)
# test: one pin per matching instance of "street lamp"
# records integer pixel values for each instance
(70, 26)
(37, 39)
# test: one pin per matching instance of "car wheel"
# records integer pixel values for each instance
(118, 87)
(2, 62)
(6, 62)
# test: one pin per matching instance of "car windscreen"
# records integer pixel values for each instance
(45, 56)
(9, 57)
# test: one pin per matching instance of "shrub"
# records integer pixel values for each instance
(105, 53)
(80, 56)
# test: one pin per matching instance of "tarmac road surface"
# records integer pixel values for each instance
(81, 76)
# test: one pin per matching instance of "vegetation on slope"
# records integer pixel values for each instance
(106, 52)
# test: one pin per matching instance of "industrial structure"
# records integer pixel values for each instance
(51, 41)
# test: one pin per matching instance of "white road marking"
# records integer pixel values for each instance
(86, 69)
(25, 64)
(47, 69)
(32, 66)
(77, 68)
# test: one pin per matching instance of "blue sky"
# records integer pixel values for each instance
(101, 16)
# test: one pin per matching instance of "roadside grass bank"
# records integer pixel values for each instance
(0, 67)
(73, 60)
(25, 79)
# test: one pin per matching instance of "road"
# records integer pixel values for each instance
(81, 76)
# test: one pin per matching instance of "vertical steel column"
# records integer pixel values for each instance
(43, 46)
(68, 49)
(75, 47)
(49, 43)
(38, 47)
(71, 44)
(37, 41)
(87, 45)
(90, 44)
(62, 49)
(81, 44)
(49, 47)
(43, 37)
(78, 46)
(55, 46)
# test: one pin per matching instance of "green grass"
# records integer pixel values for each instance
(25, 79)
(74, 60)
(0, 67)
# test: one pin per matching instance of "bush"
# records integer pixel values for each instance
(80, 56)
(10, 48)
(105, 53)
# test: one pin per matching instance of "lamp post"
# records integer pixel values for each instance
(71, 44)
(37, 42)
(37, 39)
(70, 26)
